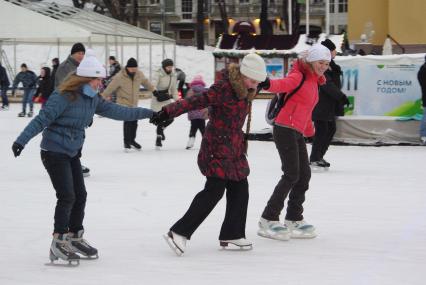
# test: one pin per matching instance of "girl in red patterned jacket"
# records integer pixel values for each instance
(222, 157)
(292, 124)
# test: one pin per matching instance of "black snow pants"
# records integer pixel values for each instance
(324, 133)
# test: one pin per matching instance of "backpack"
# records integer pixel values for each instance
(277, 103)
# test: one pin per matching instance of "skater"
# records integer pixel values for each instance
(29, 82)
(197, 117)
(64, 69)
(114, 68)
(45, 86)
(63, 120)
(222, 157)
(4, 85)
(292, 124)
(421, 76)
(330, 105)
(180, 79)
(126, 85)
(165, 84)
(55, 65)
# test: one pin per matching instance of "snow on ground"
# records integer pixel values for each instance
(369, 211)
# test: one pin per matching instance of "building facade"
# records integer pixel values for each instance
(177, 19)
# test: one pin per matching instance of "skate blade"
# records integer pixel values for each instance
(86, 174)
(275, 237)
(71, 263)
(233, 247)
(92, 257)
(172, 245)
(319, 169)
(303, 236)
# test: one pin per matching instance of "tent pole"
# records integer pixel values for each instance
(122, 51)
(150, 60)
(164, 49)
(59, 49)
(14, 55)
(174, 53)
(137, 50)
(307, 18)
(106, 50)
(327, 17)
(116, 46)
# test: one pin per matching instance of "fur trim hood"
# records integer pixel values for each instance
(236, 80)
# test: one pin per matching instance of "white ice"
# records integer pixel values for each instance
(369, 210)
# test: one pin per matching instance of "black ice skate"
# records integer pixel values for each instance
(79, 245)
(60, 249)
(158, 143)
(135, 145)
(236, 244)
(319, 165)
(85, 170)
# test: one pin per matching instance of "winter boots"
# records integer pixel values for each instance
(300, 229)
(273, 230)
(79, 245)
(190, 143)
(158, 143)
(176, 242)
(60, 249)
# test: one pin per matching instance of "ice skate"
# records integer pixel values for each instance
(85, 170)
(423, 140)
(273, 230)
(325, 162)
(158, 143)
(5, 108)
(236, 244)
(135, 145)
(318, 166)
(79, 245)
(60, 249)
(127, 147)
(21, 115)
(161, 133)
(30, 114)
(190, 143)
(300, 229)
(176, 242)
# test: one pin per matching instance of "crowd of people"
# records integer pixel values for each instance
(75, 90)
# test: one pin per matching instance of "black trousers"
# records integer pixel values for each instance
(197, 124)
(295, 179)
(234, 224)
(324, 133)
(162, 126)
(129, 131)
(67, 179)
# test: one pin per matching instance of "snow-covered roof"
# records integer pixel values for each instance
(298, 48)
(27, 21)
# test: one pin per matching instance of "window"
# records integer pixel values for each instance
(332, 6)
(343, 6)
(186, 9)
(331, 29)
(341, 28)
(244, 1)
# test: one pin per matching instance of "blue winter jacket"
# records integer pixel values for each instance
(28, 79)
(63, 121)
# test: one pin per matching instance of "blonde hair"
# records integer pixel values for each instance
(72, 84)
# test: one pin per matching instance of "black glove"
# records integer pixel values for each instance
(159, 117)
(155, 93)
(345, 101)
(264, 85)
(17, 149)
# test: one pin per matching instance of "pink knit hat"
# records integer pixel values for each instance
(197, 80)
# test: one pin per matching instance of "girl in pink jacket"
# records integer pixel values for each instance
(292, 124)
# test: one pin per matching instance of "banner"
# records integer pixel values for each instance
(382, 85)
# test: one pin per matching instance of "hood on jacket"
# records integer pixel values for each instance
(233, 74)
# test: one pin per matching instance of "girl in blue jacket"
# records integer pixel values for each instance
(68, 111)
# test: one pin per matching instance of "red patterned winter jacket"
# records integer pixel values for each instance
(222, 152)
(297, 112)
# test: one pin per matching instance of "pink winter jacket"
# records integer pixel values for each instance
(297, 112)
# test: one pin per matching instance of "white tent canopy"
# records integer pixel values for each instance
(28, 23)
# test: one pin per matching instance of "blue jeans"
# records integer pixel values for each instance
(423, 124)
(4, 99)
(28, 99)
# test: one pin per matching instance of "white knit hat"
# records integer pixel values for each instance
(318, 52)
(90, 66)
(253, 66)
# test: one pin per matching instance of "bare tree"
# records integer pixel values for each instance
(265, 25)
(295, 12)
(223, 15)
(200, 24)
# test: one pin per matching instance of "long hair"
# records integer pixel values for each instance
(72, 84)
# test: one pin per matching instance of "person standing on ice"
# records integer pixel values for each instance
(222, 157)
(292, 124)
(331, 104)
(29, 81)
(197, 117)
(63, 120)
(126, 86)
(65, 68)
(45, 86)
(165, 83)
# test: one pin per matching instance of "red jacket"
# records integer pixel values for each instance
(297, 112)
(222, 152)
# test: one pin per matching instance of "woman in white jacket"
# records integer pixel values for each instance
(166, 93)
